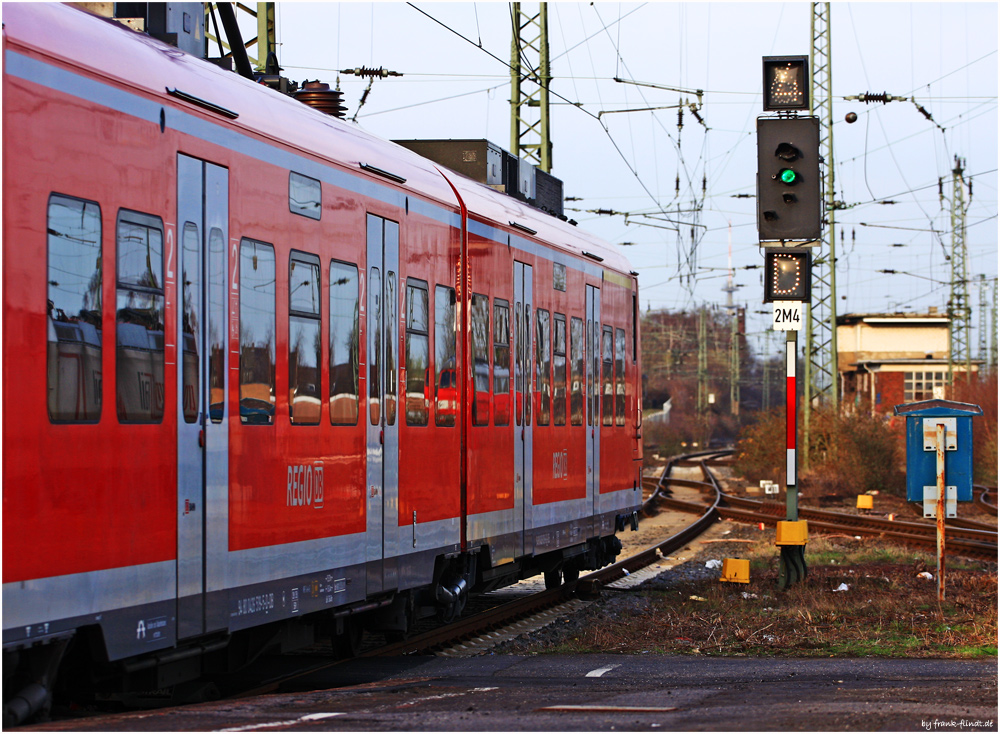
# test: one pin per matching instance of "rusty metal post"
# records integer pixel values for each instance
(940, 509)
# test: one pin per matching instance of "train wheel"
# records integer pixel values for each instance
(347, 644)
(553, 579)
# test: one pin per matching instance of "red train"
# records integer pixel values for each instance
(344, 388)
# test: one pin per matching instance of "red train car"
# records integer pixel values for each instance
(268, 377)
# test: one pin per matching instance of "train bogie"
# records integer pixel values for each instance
(344, 387)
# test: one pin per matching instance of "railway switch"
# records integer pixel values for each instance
(735, 570)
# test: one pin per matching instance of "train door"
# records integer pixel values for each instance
(593, 392)
(383, 385)
(522, 405)
(202, 439)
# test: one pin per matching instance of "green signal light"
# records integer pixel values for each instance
(788, 176)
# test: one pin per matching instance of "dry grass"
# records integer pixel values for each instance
(887, 610)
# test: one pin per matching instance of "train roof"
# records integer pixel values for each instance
(110, 50)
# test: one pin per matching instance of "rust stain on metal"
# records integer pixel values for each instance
(940, 508)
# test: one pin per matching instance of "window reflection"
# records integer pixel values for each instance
(576, 360)
(374, 348)
(501, 363)
(257, 333)
(139, 355)
(217, 331)
(559, 371)
(543, 361)
(607, 391)
(304, 339)
(190, 328)
(417, 354)
(446, 381)
(619, 377)
(480, 360)
(391, 325)
(73, 310)
(343, 344)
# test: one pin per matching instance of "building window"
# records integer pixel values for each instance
(139, 359)
(74, 310)
(257, 338)
(304, 340)
(920, 385)
(501, 363)
(343, 344)
(446, 379)
(417, 353)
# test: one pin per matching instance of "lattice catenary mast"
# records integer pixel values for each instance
(821, 316)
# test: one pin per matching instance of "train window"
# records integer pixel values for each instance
(446, 381)
(576, 352)
(607, 402)
(518, 362)
(559, 276)
(304, 196)
(559, 370)
(343, 344)
(257, 333)
(304, 341)
(191, 326)
(543, 359)
(501, 363)
(526, 369)
(594, 378)
(635, 327)
(218, 330)
(480, 360)
(391, 348)
(619, 377)
(374, 344)
(139, 362)
(74, 311)
(417, 353)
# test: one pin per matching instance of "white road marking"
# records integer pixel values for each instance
(287, 722)
(601, 671)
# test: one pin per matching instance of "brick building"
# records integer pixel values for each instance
(887, 359)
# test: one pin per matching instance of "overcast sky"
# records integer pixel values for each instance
(942, 54)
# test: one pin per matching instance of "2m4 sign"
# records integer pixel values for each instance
(787, 316)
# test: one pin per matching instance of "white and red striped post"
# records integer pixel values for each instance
(791, 427)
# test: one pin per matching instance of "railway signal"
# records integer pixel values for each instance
(786, 83)
(788, 178)
(787, 274)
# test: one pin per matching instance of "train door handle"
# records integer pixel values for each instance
(201, 438)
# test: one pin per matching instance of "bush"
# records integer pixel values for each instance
(760, 449)
(857, 452)
(982, 392)
(847, 453)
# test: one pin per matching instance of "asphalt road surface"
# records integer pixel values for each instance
(602, 693)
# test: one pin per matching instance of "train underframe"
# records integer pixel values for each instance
(73, 668)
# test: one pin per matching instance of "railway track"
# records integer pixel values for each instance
(985, 499)
(963, 537)
(973, 541)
